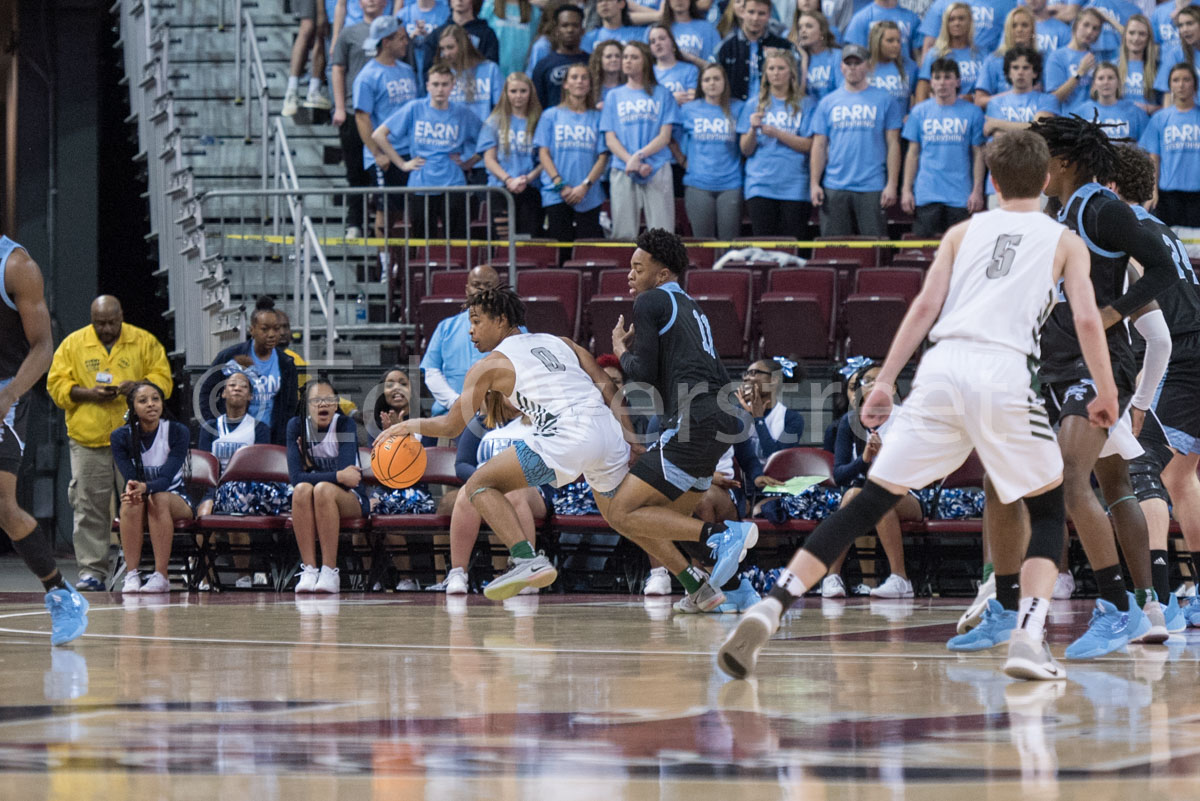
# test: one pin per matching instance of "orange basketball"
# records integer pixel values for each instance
(398, 462)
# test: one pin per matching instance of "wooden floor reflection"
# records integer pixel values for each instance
(569, 697)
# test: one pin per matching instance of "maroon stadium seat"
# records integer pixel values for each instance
(866, 257)
(872, 321)
(725, 296)
(603, 311)
(448, 284)
(902, 281)
(552, 300)
(613, 282)
(432, 311)
(797, 314)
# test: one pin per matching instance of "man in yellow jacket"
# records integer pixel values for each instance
(92, 373)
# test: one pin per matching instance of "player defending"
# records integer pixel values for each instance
(670, 346)
(985, 297)
(26, 348)
(565, 395)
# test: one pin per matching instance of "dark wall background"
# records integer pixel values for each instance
(79, 210)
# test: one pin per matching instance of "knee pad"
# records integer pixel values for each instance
(1047, 516)
(850, 522)
(1146, 479)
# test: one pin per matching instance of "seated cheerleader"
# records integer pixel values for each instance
(151, 454)
(234, 430)
(322, 454)
(498, 429)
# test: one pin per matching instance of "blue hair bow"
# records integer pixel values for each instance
(232, 367)
(854, 364)
(786, 365)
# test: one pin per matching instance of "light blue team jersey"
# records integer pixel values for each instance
(859, 30)
(434, 134)
(266, 386)
(1174, 136)
(992, 78)
(888, 78)
(946, 134)
(824, 72)
(988, 16)
(489, 84)
(1171, 55)
(1051, 35)
(574, 141)
(856, 124)
(1108, 45)
(539, 50)
(697, 38)
(711, 145)
(1135, 88)
(775, 170)
(514, 36)
(1165, 32)
(636, 118)
(1127, 120)
(380, 90)
(970, 66)
(624, 35)
(516, 154)
(679, 78)
(1060, 66)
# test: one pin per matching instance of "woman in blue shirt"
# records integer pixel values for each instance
(477, 81)
(696, 36)
(614, 24)
(1138, 64)
(1122, 118)
(956, 40)
(572, 155)
(1020, 28)
(713, 163)
(229, 433)
(506, 142)
(1187, 21)
(776, 139)
(605, 68)
(1172, 140)
(515, 23)
(151, 453)
(811, 35)
(322, 456)
(1068, 71)
(678, 76)
(889, 68)
(637, 122)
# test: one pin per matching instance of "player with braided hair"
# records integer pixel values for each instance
(567, 398)
(1082, 158)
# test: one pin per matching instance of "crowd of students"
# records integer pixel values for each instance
(751, 103)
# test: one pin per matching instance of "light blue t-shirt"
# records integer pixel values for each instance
(489, 84)
(859, 30)
(1060, 66)
(1135, 88)
(970, 66)
(514, 36)
(1108, 45)
(946, 134)
(516, 154)
(574, 141)
(1165, 31)
(623, 34)
(380, 90)
(824, 72)
(697, 38)
(679, 78)
(1128, 120)
(887, 77)
(775, 170)
(1051, 35)
(1012, 107)
(636, 118)
(434, 18)
(856, 124)
(711, 145)
(539, 50)
(1174, 136)
(354, 14)
(434, 134)
(988, 16)
(1171, 55)
(266, 386)
(450, 350)
(992, 78)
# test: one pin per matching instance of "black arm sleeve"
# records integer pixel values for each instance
(651, 311)
(1119, 230)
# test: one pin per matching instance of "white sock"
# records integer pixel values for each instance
(1031, 617)
(791, 584)
(314, 86)
(293, 83)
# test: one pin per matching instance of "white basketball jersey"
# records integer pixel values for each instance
(550, 386)
(1002, 282)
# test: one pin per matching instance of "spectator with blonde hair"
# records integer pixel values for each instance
(506, 142)
(955, 39)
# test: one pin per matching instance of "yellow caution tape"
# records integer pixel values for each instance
(374, 241)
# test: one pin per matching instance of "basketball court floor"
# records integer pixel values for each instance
(419, 696)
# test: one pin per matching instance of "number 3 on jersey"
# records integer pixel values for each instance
(706, 337)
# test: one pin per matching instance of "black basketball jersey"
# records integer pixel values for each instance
(14, 347)
(1181, 303)
(675, 353)
(1062, 357)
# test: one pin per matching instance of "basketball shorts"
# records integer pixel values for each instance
(684, 459)
(1177, 403)
(12, 435)
(1121, 441)
(969, 396)
(304, 9)
(1066, 398)
(589, 443)
(1145, 472)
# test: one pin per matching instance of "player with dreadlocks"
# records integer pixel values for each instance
(1082, 159)
(567, 398)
